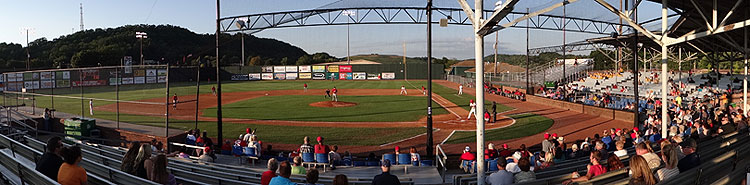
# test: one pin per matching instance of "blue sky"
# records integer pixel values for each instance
(52, 19)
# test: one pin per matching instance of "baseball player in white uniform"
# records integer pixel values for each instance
(403, 90)
(473, 109)
(460, 89)
(91, 106)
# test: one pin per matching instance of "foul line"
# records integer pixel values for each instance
(449, 136)
(436, 100)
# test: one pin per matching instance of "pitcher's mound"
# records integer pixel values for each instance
(333, 104)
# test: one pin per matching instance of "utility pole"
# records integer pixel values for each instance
(28, 56)
(528, 58)
(563, 46)
(495, 46)
(479, 77)
(219, 123)
(429, 79)
(81, 16)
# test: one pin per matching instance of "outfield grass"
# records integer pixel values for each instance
(526, 125)
(463, 100)
(296, 108)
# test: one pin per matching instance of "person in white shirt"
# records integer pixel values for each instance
(621, 152)
(460, 89)
(473, 109)
(403, 91)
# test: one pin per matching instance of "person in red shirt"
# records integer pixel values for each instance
(594, 170)
(174, 101)
(505, 152)
(305, 87)
(334, 96)
(226, 149)
(490, 152)
(467, 160)
(265, 178)
(321, 148)
(213, 89)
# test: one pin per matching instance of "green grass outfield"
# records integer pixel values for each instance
(296, 108)
(526, 125)
(364, 136)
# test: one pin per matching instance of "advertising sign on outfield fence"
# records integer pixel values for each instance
(253, 76)
(279, 76)
(140, 80)
(318, 69)
(267, 76)
(2, 78)
(359, 76)
(240, 77)
(305, 69)
(267, 69)
(139, 72)
(318, 76)
(345, 68)
(162, 79)
(345, 76)
(389, 76)
(373, 76)
(47, 75)
(331, 76)
(150, 79)
(279, 69)
(162, 72)
(150, 72)
(65, 75)
(127, 81)
(290, 69)
(291, 76)
(333, 68)
(62, 83)
(114, 81)
(305, 76)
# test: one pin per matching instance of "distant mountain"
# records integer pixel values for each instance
(165, 43)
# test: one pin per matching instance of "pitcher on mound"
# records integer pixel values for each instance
(334, 96)
(473, 109)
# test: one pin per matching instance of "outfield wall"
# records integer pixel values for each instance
(328, 72)
(83, 77)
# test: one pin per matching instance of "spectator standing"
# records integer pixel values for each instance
(46, 117)
(526, 174)
(266, 177)
(70, 173)
(546, 144)
(51, 160)
(641, 172)
(494, 111)
(312, 177)
(669, 155)
(128, 161)
(501, 177)
(321, 148)
(385, 178)
(306, 147)
(285, 171)
(691, 159)
(297, 166)
(340, 179)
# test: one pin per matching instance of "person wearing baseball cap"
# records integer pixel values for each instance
(385, 178)
(546, 143)
(691, 159)
(467, 160)
(321, 148)
(206, 157)
(505, 152)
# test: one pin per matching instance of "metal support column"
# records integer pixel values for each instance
(197, 92)
(664, 54)
(479, 76)
(636, 113)
(744, 81)
(528, 58)
(219, 130)
(166, 106)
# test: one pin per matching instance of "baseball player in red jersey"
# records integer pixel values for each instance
(213, 90)
(174, 101)
(334, 97)
(423, 91)
(305, 87)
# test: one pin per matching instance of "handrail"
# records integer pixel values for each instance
(187, 145)
(440, 161)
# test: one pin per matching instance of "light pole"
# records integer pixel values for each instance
(141, 36)
(241, 25)
(28, 55)
(349, 15)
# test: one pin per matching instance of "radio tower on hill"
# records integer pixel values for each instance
(81, 16)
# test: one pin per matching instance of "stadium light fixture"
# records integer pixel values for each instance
(241, 24)
(141, 36)
(349, 14)
(499, 5)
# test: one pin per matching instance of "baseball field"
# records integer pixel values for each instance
(368, 113)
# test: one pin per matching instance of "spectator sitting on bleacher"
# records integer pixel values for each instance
(501, 177)
(340, 179)
(306, 147)
(525, 174)
(254, 143)
(140, 161)
(50, 162)
(297, 166)
(249, 133)
(641, 172)
(397, 150)
(726, 126)
(653, 160)
(614, 163)
(311, 177)
(160, 174)
(512, 165)
(414, 155)
(594, 169)
(467, 160)
(669, 155)
(691, 159)
(620, 146)
(490, 152)
(226, 149)
(70, 173)
(190, 138)
(575, 152)
(206, 156)
(285, 171)
(549, 161)
(265, 178)
(128, 161)
(385, 178)
(321, 148)
(505, 152)
(334, 155)
(203, 141)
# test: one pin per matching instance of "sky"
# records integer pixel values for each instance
(52, 19)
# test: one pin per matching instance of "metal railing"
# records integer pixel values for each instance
(440, 161)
